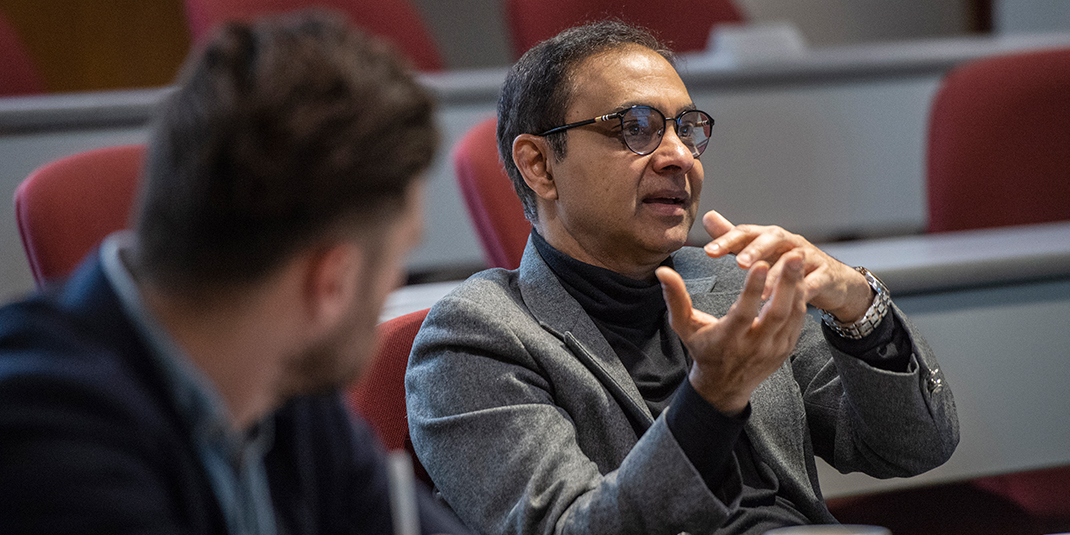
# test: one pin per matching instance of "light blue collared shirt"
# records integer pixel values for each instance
(234, 461)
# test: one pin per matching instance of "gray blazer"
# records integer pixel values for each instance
(528, 423)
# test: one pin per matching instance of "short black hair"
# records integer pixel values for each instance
(538, 89)
(279, 131)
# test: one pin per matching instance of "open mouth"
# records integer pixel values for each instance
(666, 199)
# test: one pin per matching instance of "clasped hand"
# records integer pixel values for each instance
(735, 353)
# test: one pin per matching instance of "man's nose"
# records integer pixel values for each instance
(673, 149)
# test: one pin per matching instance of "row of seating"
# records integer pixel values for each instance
(66, 207)
(528, 22)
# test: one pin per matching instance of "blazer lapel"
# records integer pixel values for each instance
(562, 316)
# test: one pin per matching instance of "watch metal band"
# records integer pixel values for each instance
(873, 316)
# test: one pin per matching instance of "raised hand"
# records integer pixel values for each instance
(735, 353)
(829, 284)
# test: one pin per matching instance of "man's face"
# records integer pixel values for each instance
(615, 208)
(348, 350)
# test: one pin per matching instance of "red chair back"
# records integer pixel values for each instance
(683, 24)
(999, 143)
(394, 20)
(1043, 493)
(65, 208)
(379, 396)
(489, 196)
(1031, 502)
(18, 72)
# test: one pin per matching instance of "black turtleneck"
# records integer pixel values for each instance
(630, 314)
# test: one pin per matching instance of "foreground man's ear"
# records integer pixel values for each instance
(331, 281)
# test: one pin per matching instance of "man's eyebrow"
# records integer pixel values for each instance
(625, 106)
(690, 106)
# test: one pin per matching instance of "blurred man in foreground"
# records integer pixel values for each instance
(186, 378)
(576, 394)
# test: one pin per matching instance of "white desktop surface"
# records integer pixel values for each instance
(970, 258)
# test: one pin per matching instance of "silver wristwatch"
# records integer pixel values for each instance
(882, 303)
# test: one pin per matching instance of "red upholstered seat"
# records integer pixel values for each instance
(684, 25)
(999, 143)
(65, 208)
(949, 509)
(394, 20)
(488, 193)
(379, 396)
(1032, 502)
(1043, 493)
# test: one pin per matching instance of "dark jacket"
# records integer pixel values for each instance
(90, 443)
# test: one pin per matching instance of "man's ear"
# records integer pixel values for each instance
(332, 280)
(534, 159)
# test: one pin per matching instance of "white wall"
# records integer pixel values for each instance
(471, 33)
(834, 22)
(1017, 16)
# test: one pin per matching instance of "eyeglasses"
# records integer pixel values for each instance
(642, 128)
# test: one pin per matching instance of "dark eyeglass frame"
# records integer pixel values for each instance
(696, 151)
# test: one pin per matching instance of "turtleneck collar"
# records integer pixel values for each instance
(630, 307)
(630, 314)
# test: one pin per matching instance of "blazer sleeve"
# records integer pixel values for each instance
(861, 418)
(485, 425)
(883, 423)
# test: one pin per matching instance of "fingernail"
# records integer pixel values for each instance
(744, 259)
(713, 248)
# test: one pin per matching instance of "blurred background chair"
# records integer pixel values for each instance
(18, 71)
(1033, 502)
(395, 20)
(65, 208)
(1044, 494)
(999, 143)
(958, 508)
(684, 25)
(379, 396)
(489, 196)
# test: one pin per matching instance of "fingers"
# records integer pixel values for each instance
(818, 273)
(676, 298)
(767, 245)
(750, 243)
(776, 272)
(783, 314)
(716, 224)
(749, 302)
